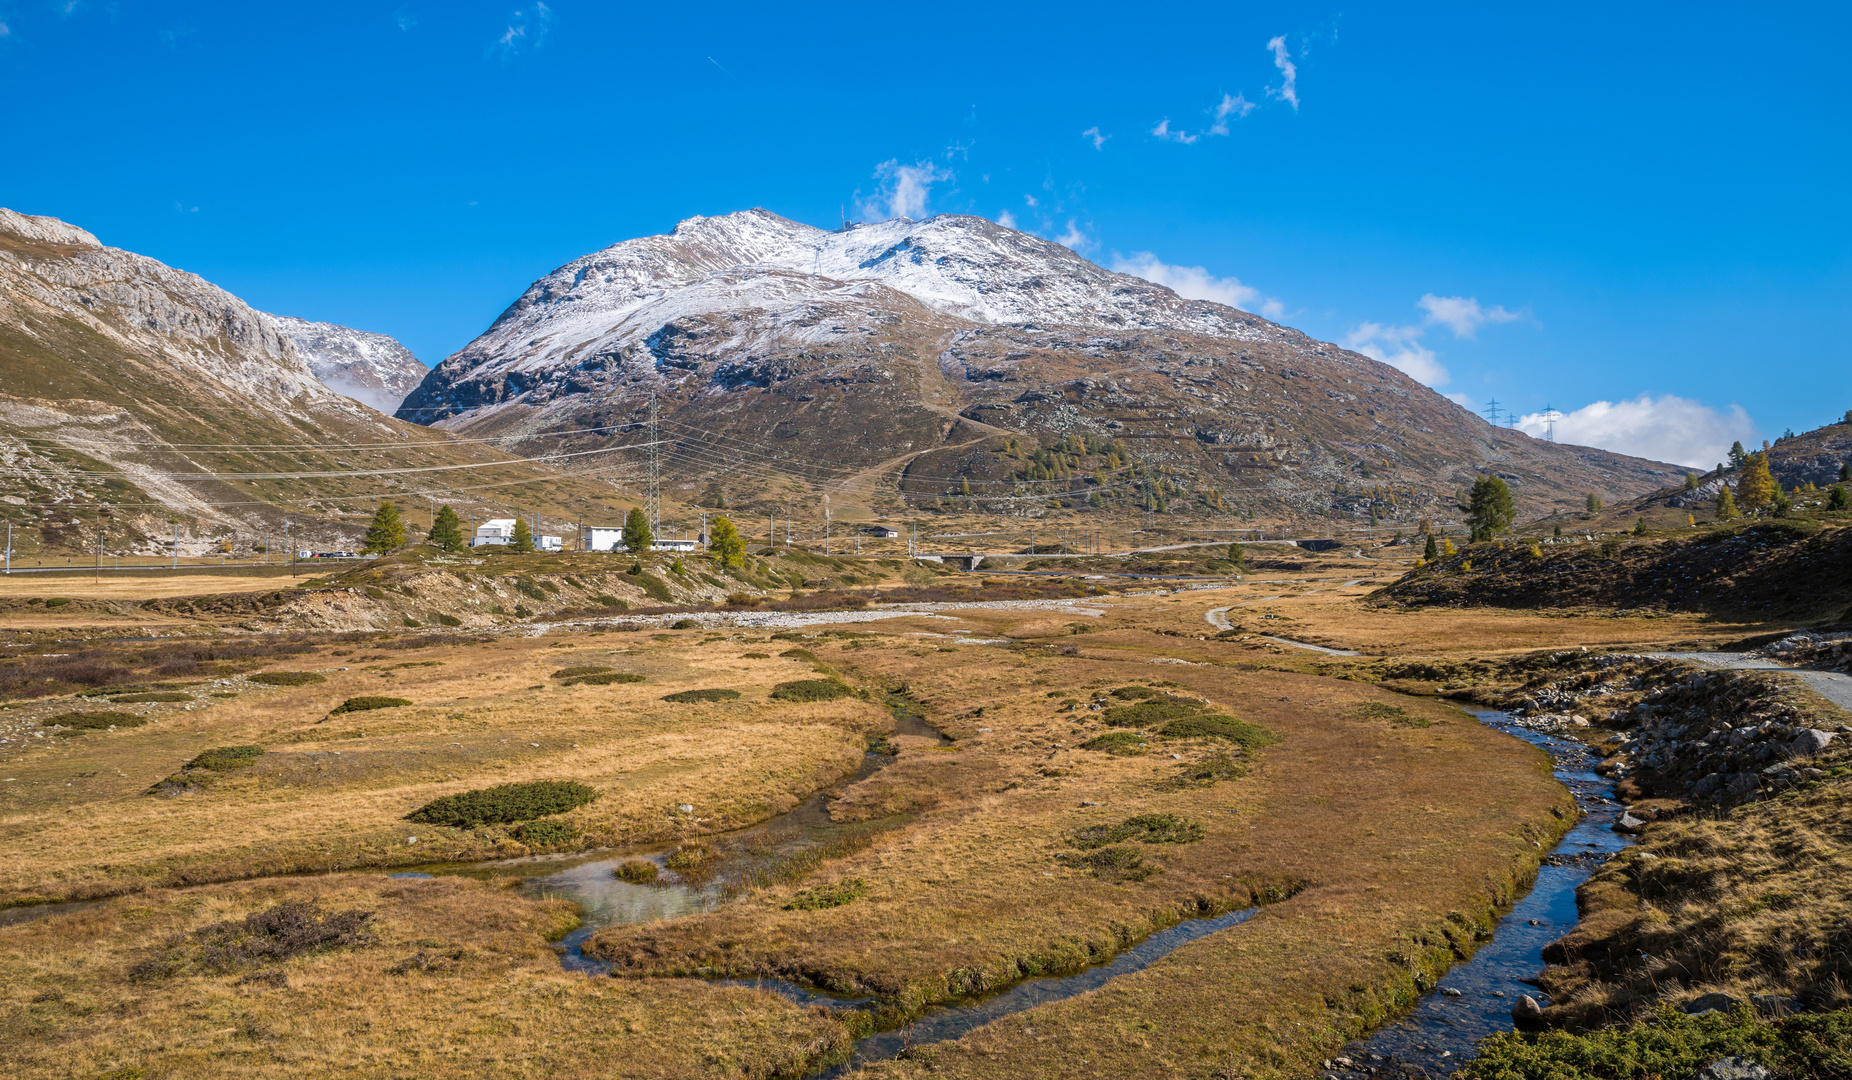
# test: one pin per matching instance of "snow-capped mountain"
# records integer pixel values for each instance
(370, 368)
(928, 351)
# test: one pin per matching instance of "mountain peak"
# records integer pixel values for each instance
(44, 230)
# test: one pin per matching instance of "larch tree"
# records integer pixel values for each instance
(387, 532)
(724, 543)
(1726, 505)
(637, 537)
(1755, 488)
(1489, 510)
(523, 539)
(447, 531)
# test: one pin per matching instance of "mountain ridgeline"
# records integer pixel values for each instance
(955, 362)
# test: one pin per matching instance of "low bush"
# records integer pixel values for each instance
(1150, 714)
(691, 858)
(286, 678)
(504, 803)
(292, 928)
(829, 896)
(527, 588)
(147, 699)
(653, 587)
(1671, 1044)
(1209, 725)
(714, 694)
(367, 703)
(636, 871)
(1395, 714)
(546, 833)
(226, 758)
(608, 678)
(448, 620)
(579, 670)
(1205, 773)
(1136, 693)
(1116, 743)
(810, 690)
(756, 656)
(606, 600)
(1145, 828)
(684, 624)
(93, 721)
(799, 654)
(1115, 864)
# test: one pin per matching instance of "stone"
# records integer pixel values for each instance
(1709, 1003)
(1776, 1005)
(1629, 824)
(1708, 783)
(1527, 1011)
(686, 808)
(1734, 1068)
(1744, 783)
(1450, 991)
(1810, 742)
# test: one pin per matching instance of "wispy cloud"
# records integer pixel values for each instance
(406, 21)
(1007, 220)
(1400, 347)
(1075, 237)
(5, 30)
(1197, 283)
(527, 29)
(1463, 314)
(1288, 90)
(904, 190)
(1094, 134)
(1231, 105)
(1163, 131)
(1666, 428)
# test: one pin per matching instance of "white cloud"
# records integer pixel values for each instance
(1094, 134)
(1462, 314)
(1666, 428)
(5, 31)
(1163, 131)
(1400, 347)
(1196, 283)
(1074, 238)
(1032, 201)
(1464, 401)
(1235, 106)
(406, 21)
(1287, 91)
(1007, 220)
(527, 28)
(904, 191)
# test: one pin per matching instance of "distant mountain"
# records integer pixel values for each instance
(370, 368)
(956, 362)
(133, 394)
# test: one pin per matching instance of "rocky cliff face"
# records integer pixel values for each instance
(955, 362)
(373, 369)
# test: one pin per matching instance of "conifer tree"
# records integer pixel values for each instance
(1238, 556)
(1756, 488)
(1839, 500)
(1639, 527)
(724, 543)
(1558, 533)
(1489, 510)
(1447, 548)
(1737, 454)
(637, 536)
(1726, 505)
(447, 531)
(1691, 481)
(1845, 471)
(1432, 551)
(523, 539)
(387, 532)
(1593, 503)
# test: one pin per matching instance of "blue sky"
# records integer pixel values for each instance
(1643, 205)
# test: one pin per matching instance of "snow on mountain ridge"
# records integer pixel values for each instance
(373, 369)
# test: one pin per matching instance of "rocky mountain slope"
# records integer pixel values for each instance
(370, 368)
(132, 393)
(956, 363)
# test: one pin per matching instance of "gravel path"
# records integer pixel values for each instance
(1830, 685)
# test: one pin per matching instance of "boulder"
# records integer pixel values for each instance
(1810, 742)
(1709, 1003)
(1744, 783)
(1527, 1013)
(1734, 1068)
(1629, 824)
(1776, 1005)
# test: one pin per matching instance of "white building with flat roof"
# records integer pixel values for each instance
(493, 531)
(602, 537)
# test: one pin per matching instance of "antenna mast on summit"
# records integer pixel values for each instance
(655, 475)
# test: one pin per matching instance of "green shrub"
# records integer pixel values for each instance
(1209, 725)
(1205, 773)
(799, 654)
(1136, 693)
(1395, 714)
(144, 699)
(57, 601)
(527, 588)
(448, 620)
(810, 690)
(546, 833)
(714, 694)
(522, 611)
(504, 803)
(1145, 828)
(684, 624)
(653, 587)
(756, 656)
(226, 758)
(286, 678)
(1116, 743)
(636, 871)
(412, 623)
(608, 678)
(291, 928)
(368, 703)
(1115, 864)
(1149, 714)
(1671, 1044)
(607, 600)
(581, 669)
(93, 721)
(829, 896)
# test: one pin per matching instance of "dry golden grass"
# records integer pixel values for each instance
(484, 996)
(140, 586)
(331, 795)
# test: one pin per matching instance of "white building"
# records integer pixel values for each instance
(602, 537)
(883, 531)
(688, 546)
(493, 531)
(549, 543)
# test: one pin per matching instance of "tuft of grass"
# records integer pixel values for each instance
(1149, 714)
(367, 703)
(581, 670)
(1205, 773)
(684, 624)
(799, 654)
(504, 803)
(755, 656)
(810, 690)
(829, 896)
(93, 721)
(292, 928)
(1145, 828)
(286, 678)
(608, 678)
(448, 620)
(1115, 864)
(226, 758)
(1395, 714)
(1209, 725)
(1116, 743)
(636, 871)
(1135, 693)
(147, 699)
(546, 833)
(713, 694)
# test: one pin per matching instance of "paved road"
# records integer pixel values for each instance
(1830, 685)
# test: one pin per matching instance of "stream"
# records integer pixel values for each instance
(1440, 1034)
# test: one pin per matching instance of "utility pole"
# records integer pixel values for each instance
(771, 533)
(826, 525)
(99, 552)
(655, 499)
(176, 544)
(703, 534)
(9, 549)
